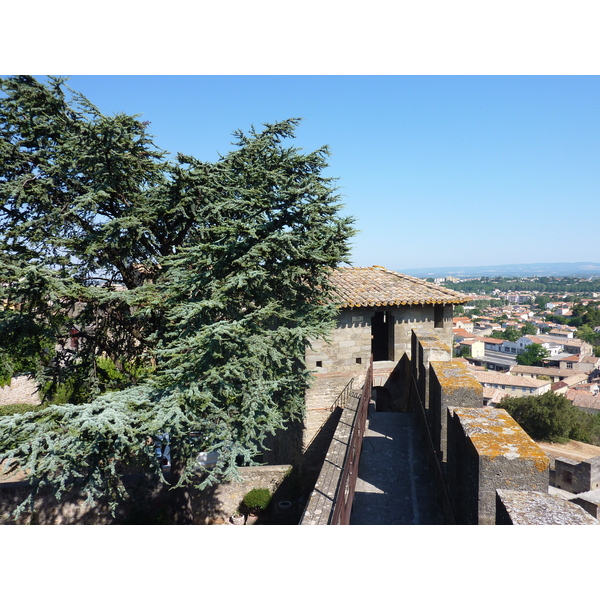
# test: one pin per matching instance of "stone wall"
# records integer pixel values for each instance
(536, 508)
(21, 390)
(425, 348)
(325, 389)
(321, 502)
(450, 384)
(147, 503)
(487, 451)
(349, 345)
(215, 505)
(590, 502)
(577, 477)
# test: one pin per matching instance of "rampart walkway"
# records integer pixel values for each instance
(394, 486)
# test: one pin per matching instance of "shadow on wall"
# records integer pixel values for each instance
(315, 454)
(147, 504)
(393, 396)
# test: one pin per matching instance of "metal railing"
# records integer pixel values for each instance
(343, 396)
(345, 492)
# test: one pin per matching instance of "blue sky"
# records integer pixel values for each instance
(437, 170)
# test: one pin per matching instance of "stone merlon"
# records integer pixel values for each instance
(494, 433)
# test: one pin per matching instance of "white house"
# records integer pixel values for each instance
(521, 344)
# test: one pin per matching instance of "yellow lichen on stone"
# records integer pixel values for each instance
(494, 433)
(430, 341)
(454, 376)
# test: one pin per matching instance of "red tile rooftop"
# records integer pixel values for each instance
(377, 286)
(458, 332)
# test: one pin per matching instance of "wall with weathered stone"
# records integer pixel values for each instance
(450, 384)
(21, 390)
(514, 507)
(577, 477)
(590, 502)
(321, 502)
(426, 347)
(349, 345)
(148, 502)
(488, 450)
(215, 505)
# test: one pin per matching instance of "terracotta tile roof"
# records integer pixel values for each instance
(462, 333)
(551, 371)
(583, 399)
(491, 340)
(377, 286)
(490, 377)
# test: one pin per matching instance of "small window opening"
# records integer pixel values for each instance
(359, 361)
(319, 363)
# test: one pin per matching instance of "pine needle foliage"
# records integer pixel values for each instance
(194, 286)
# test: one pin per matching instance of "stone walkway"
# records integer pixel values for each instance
(394, 486)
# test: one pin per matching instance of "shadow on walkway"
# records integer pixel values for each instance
(394, 486)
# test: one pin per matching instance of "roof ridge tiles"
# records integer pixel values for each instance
(378, 286)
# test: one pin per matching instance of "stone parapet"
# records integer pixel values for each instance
(147, 501)
(426, 347)
(451, 384)
(321, 503)
(216, 504)
(517, 507)
(488, 450)
(577, 477)
(590, 502)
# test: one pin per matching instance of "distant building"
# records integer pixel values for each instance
(512, 385)
(463, 323)
(476, 347)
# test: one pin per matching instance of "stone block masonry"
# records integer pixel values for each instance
(147, 499)
(321, 503)
(577, 477)
(215, 505)
(425, 348)
(451, 384)
(487, 451)
(21, 390)
(536, 508)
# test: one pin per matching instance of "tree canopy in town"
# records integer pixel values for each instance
(533, 355)
(157, 296)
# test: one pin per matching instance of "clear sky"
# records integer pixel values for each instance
(437, 170)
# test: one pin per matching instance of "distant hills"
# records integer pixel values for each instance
(577, 269)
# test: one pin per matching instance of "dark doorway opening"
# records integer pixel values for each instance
(382, 342)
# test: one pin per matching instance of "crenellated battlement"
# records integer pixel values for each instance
(487, 470)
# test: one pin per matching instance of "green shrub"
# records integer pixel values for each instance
(551, 417)
(256, 500)
(6, 370)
